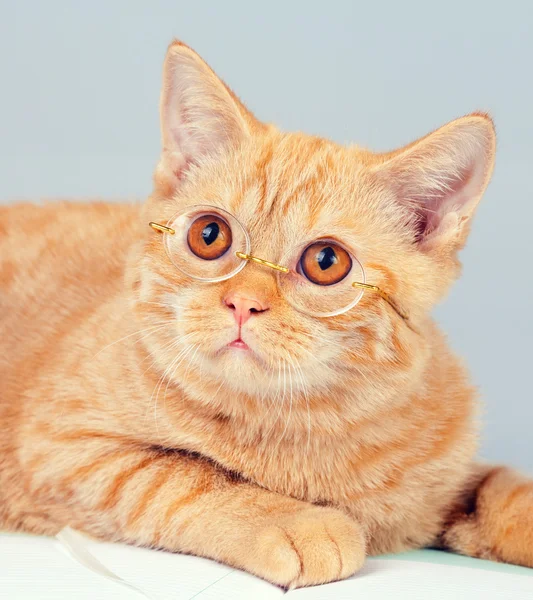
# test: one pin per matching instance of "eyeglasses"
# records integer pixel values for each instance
(209, 244)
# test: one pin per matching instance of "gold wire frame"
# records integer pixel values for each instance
(384, 295)
(262, 261)
(161, 228)
(276, 267)
(355, 284)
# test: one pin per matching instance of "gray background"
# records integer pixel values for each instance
(79, 93)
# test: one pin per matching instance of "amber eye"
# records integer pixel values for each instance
(209, 237)
(325, 263)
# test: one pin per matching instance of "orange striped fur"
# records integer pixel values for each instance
(340, 437)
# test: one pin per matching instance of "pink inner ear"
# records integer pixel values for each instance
(451, 197)
(185, 156)
(441, 178)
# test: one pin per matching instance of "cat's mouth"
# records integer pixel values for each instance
(238, 344)
(240, 349)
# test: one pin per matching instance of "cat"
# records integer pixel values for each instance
(256, 419)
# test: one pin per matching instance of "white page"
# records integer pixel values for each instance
(173, 576)
(406, 580)
(36, 568)
(167, 576)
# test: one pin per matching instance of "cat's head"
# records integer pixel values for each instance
(225, 179)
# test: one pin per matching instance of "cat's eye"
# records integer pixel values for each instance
(325, 263)
(202, 241)
(209, 237)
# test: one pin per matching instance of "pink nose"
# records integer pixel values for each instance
(243, 307)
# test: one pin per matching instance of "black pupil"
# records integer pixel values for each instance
(326, 257)
(210, 233)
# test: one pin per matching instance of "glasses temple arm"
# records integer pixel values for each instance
(161, 228)
(384, 295)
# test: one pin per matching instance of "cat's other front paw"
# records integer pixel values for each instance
(312, 546)
(500, 527)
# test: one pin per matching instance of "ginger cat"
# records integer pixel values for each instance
(239, 418)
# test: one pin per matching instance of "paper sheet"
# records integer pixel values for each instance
(33, 567)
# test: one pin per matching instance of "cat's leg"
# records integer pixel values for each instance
(185, 503)
(495, 521)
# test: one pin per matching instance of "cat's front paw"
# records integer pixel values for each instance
(312, 546)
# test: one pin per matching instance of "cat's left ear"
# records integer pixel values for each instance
(440, 179)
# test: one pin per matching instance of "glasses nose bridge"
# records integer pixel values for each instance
(265, 249)
(262, 261)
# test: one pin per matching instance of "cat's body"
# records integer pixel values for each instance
(413, 455)
(339, 437)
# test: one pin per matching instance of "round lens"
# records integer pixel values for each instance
(321, 285)
(205, 241)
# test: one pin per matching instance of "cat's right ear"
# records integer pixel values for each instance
(200, 115)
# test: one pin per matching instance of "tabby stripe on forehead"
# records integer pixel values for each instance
(262, 175)
(310, 181)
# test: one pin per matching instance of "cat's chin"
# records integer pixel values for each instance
(242, 370)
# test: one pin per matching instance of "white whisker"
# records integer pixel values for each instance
(159, 383)
(306, 397)
(151, 330)
(171, 376)
(290, 403)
